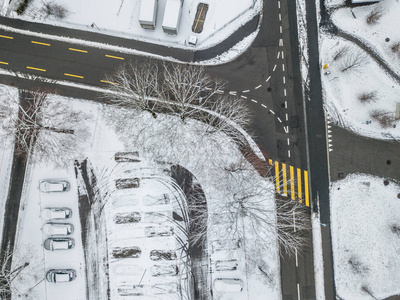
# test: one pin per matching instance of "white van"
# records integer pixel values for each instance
(148, 14)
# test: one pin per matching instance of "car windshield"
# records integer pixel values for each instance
(59, 245)
(54, 187)
(61, 277)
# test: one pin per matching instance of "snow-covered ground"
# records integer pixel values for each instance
(365, 246)
(138, 133)
(343, 90)
(121, 18)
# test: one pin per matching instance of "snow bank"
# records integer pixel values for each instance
(365, 249)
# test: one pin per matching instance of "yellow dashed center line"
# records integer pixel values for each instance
(72, 75)
(105, 81)
(39, 43)
(116, 57)
(37, 69)
(6, 37)
(78, 50)
(3, 63)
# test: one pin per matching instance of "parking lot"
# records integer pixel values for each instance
(30, 237)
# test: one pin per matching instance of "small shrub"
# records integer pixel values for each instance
(353, 60)
(367, 97)
(395, 47)
(373, 17)
(367, 290)
(395, 229)
(357, 266)
(385, 119)
(22, 6)
(55, 10)
(341, 52)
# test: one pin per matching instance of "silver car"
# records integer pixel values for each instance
(58, 243)
(56, 213)
(54, 186)
(60, 275)
(58, 228)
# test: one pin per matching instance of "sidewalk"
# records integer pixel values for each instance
(165, 51)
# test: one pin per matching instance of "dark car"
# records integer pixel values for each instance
(162, 255)
(127, 156)
(158, 231)
(127, 183)
(127, 252)
(128, 217)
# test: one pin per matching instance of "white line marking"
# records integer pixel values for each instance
(279, 119)
(280, 17)
(287, 117)
(254, 100)
(288, 153)
(280, 29)
(286, 128)
(285, 103)
(269, 77)
(246, 91)
(244, 97)
(279, 4)
(283, 55)
(257, 87)
(208, 89)
(233, 93)
(283, 67)
(284, 92)
(284, 80)
(298, 291)
(272, 111)
(288, 141)
(220, 91)
(274, 69)
(263, 106)
(277, 57)
(281, 42)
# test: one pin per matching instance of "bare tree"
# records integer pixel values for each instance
(56, 10)
(339, 54)
(367, 97)
(373, 17)
(50, 130)
(386, 119)
(189, 88)
(353, 60)
(134, 84)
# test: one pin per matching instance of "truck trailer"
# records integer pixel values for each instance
(148, 14)
(172, 16)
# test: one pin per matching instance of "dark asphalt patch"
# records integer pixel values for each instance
(200, 18)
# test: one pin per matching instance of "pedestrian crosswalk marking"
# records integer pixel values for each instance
(306, 188)
(284, 180)
(277, 180)
(292, 192)
(299, 193)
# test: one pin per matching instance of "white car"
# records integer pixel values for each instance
(60, 275)
(54, 186)
(56, 213)
(58, 243)
(58, 228)
(228, 285)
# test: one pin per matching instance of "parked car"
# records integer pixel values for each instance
(127, 217)
(226, 265)
(162, 255)
(127, 252)
(60, 275)
(56, 213)
(127, 183)
(127, 156)
(58, 228)
(54, 186)
(230, 285)
(58, 243)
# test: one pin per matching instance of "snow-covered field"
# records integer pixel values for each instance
(365, 236)
(342, 90)
(121, 18)
(353, 97)
(138, 133)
